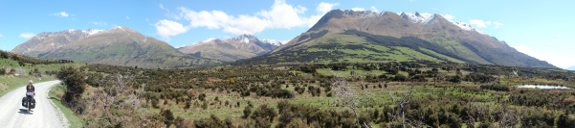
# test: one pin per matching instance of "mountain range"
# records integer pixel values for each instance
(232, 49)
(338, 37)
(117, 46)
(366, 36)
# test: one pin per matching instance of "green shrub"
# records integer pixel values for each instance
(495, 87)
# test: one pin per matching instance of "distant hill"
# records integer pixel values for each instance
(571, 68)
(230, 50)
(23, 59)
(118, 46)
(365, 36)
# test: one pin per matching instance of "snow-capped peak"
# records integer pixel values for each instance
(424, 18)
(122, 28)
(460, 24)
(273, 42)
(463, 26)
(119, 27)
(204, 41)
(245, 40)
(71, 30)
(88, 32)
(209, 40)
(91, 32)
(417, 17)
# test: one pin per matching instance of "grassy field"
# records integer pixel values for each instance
(434, 95)
(21, 75)
(12, 82)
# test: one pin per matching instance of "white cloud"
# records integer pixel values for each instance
(283, 15)
(325, 7)
(27, 35)
(220, 20)
(167, 28)
(61, 14)
(321, 10)
(210, 19)
(280, 15)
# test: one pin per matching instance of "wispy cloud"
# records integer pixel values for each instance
(324, 7)
(372, 8)
(27, 35)
(280, 15)
(1, 36)
(61, 14)
(162, 7)
(475, 23)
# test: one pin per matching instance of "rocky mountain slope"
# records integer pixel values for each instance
(232, 49)
(48, 41)
(365, 36)
(118, 46)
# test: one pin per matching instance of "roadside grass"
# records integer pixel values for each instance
(55, 95)
(11, 82)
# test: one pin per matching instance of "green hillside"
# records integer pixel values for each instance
(359, 37)
(120, 46)
(357, 47)
(16, 70)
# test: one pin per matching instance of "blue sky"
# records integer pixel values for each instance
(538, 28)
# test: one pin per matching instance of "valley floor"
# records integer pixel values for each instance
(334, 95)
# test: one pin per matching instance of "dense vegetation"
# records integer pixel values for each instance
(413, 94)
(23, 60)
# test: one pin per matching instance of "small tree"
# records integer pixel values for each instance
(247, 111)
(168, 117)
(263, 116)
(202, 97)
(75, 86)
